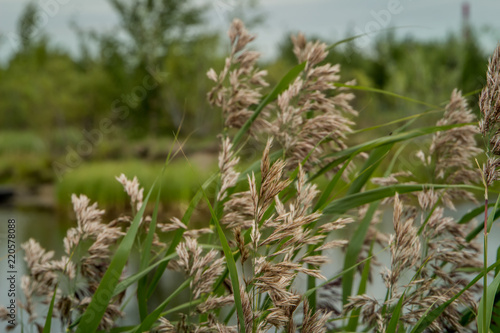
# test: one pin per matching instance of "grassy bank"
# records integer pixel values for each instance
(97, 181)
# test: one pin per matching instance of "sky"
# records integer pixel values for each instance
(329, 19)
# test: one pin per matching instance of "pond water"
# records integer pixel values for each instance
(49, 228)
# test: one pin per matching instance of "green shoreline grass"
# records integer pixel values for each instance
(97, 181)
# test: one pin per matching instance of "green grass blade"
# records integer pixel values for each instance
(93, 314)
(430, 315)
(352, 325)
(429, 215)
(372, 144)
(342, 205)
(153, 316)
(353, 250)
(396, 313)
(255, 167)
(397, 137)
(178, 234)
(231, 266)
(48, 320)
(346, 40)
(393, 122)
(325, 194)
(186, 305)
(119, 329)
(495, 322)
(373, 161)
(480, 227)
(497, 270)
(308, 292)
(349, 39)
(124, 284)
(389, 93)
(467, 217)
(376, 157)
(491, 217)
(278, 89)
(488, 307)
(311, 285)
(142, 299)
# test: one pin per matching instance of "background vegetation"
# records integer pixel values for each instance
(51, 101)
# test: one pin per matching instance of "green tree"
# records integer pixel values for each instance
(151, 29)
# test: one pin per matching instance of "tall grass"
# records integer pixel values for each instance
(258, 266)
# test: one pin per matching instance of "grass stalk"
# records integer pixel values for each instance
(485, 254)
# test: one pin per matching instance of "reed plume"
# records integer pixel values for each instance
(312, 115)
(245, 81)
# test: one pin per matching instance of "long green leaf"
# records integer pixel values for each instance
(153, 316)
(396, 313)
(178, 234)
(488, 307)
(480, 227)
(127, 282)
(142, 299)
(325, 194)
(385, 92)
(48, 320)
(311, 285)
(119, 329)
(365, 276)
(376, 157)
(497, 270)
(353, 249)
(93, 314)
(231, 266)
(369, 145)
(308, 292)
(346, 40)
(467, 217)
(255, 167)
(349, 39)
(156, 278)
(397, 137)
(393, 122)
(186, 305)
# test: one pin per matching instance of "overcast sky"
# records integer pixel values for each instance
(331, 19)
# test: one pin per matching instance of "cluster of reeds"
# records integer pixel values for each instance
(259, 264)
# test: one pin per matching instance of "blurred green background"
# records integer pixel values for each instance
(72, 119)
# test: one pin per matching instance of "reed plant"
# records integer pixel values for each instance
(259, 264)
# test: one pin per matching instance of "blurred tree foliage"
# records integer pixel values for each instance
(153, 65)
(158, 33)
(149, 73)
